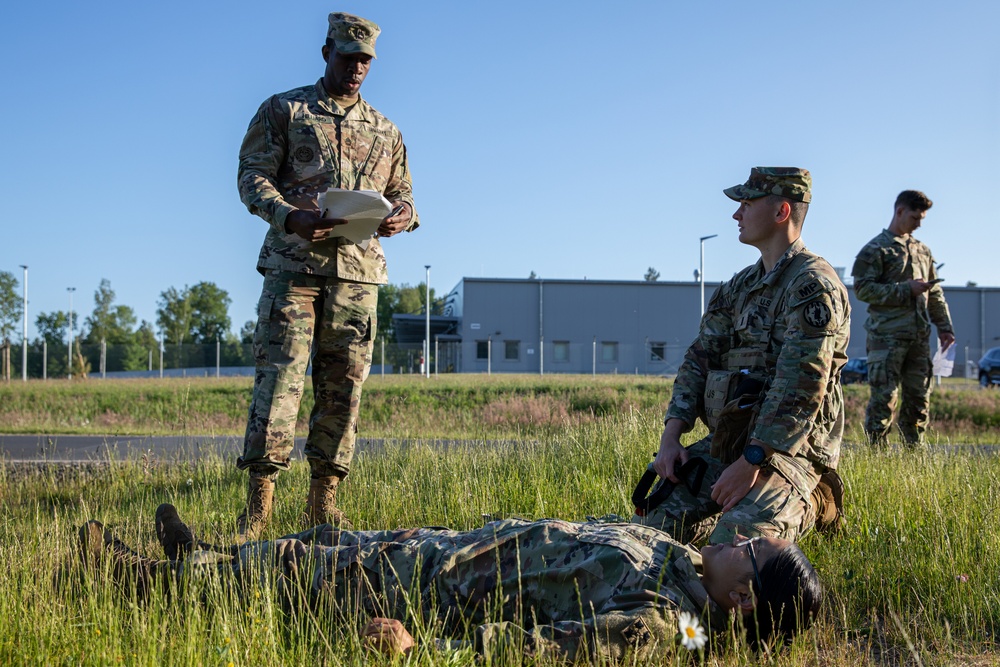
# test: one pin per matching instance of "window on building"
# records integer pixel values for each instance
(511, 350)
(560, 350)
(609, 350)
(657, 351)
(482, 349)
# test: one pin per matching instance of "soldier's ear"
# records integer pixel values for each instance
(326, 53)
(783, 213)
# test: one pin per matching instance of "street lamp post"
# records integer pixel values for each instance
(69, 346)
(427, 322)
(701, 270)
(24, 333)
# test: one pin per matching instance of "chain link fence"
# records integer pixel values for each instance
(487, 356)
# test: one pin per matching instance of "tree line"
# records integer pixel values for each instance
(189, 322)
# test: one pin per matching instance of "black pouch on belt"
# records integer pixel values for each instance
(691, 475)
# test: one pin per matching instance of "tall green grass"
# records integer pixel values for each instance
(913, 579)
(448, 406)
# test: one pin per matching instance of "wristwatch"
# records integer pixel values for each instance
(755, 455)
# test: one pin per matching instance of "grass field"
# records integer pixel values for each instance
(912, 580)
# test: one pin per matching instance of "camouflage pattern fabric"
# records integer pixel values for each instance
(352, 34)
(302, 143)
(789, 182)
(582, 591)
(774, 507)
(895, 363)
(899, 327)
(802, 412)
(334, 322)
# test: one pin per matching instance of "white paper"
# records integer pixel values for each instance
(944, 360)
(364, 209)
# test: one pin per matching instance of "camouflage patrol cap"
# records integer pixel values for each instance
(352, 34)
(790, 182)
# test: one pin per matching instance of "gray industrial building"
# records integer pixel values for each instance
(509, 325)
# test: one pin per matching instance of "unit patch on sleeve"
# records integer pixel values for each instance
(816, 314)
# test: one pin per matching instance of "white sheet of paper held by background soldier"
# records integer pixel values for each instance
(364, 209)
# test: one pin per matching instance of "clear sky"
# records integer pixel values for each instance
(572, 139)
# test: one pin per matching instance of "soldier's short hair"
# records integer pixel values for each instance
(915, 200)
(799, 208)
(789, 598)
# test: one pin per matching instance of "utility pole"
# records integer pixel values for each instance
(427, 325)
(24, 334)
(69, 356)
(701, 272)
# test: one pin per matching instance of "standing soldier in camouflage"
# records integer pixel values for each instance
(593, 590)
(895, 275)
(320, 293)
(764, 376)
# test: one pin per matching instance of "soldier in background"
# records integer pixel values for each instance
(764, 376)
(895, 275)
(320, 293)
(579, 590)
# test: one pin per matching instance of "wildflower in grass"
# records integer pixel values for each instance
(692, 633)
(190, 482)
(962, 578)
(97, 631)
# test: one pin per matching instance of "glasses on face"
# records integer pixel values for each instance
(748, 543)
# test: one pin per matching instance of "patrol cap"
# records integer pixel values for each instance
(790, 182)
(352, 34)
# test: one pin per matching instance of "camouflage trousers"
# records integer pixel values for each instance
(774, 507)
(332, 322)
(895, 364)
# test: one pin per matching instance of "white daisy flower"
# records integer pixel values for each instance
(692, 634)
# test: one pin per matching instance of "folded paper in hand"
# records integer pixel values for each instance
(944, 360)
(364, 209)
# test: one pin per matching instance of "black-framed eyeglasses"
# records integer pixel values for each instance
(748, 543)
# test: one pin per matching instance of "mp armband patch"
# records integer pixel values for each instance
(637, 634)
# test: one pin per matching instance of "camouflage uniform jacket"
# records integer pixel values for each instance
(576, 590)
(881, 274)
(802, 414)
(300, 144)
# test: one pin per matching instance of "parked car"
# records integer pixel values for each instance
(989, 368)
(855, 370)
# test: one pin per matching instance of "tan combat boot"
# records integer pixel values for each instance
(828, 502)
(321, 504)
(260, 496)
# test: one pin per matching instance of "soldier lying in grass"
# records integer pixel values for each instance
(579, 590)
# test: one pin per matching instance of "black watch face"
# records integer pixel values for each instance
(754, 454)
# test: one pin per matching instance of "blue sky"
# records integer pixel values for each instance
(583, 139)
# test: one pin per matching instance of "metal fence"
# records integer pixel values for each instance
(488, 356)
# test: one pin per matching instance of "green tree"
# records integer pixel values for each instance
(108, 322)
(10, 305)
(246, 332)
(173, 315)
(141, 343)
(198, 314)
(652, 275)
(413, 301)
(209, 313)
(388, 303)
(52, 340)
